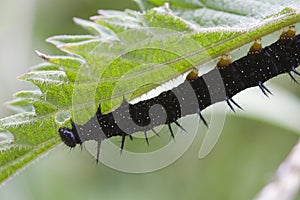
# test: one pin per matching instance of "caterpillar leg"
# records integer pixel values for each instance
(293, 78)
(180, 126)
(130, 137)
(98, 151)
(146, 137)
(171, 131)
(202, 118)
(229, 101)
(154, 131)
(264, 89)
(295, 71)
(123, 141)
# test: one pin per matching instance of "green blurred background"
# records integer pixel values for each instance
(243, 161)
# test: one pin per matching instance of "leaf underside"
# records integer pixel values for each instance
(126, 55)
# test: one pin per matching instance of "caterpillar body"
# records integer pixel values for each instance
(219, 84)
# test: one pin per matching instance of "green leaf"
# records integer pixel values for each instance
(128, 54)
(66, 39)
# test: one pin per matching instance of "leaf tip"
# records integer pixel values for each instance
(41, 55)
(94, 18)
(20, 78)
(51, 40)
(77, 20)
(62, 47)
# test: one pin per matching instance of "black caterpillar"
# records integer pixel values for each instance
(260, 65)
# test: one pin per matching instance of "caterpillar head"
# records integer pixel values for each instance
(69, 137)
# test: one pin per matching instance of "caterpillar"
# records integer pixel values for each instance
(220, 84)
